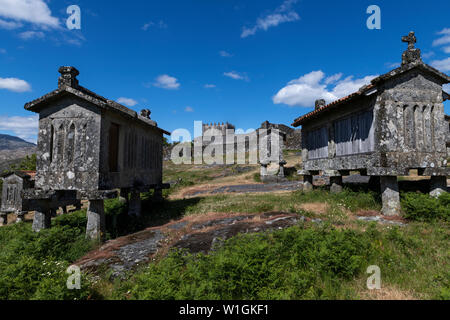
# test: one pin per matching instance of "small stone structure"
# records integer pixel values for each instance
(89, 146)
(393, 125)
(214, 137)
(13, 202)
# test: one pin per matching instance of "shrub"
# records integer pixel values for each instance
(295, 263)
(423, 207)
(32, 265)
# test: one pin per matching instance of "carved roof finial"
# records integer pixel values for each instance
(412, 54)
(410, 39)
(68, 77)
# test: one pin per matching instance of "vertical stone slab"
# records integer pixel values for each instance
(390, 196)
(134, 207)
(123, 196)
(3, 219)
(96, 228)
(20, 216)
(307, 183)
(438, 186)
(42, 216)
(336, 184)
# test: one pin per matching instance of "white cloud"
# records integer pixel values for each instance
(23, 127)
(9, 25)
(282, 14)
(127, 101)
(161, 25)
(442, 65)
(32, 11)
(428, 54)
(235, 75)
(446, 87)
(447, 49)
(304, 91)
(210, 86)
(444, 39)
(189, 109)
(167, 82)
(27, 35)
(14, 84)
(225, 54)
(392, 65)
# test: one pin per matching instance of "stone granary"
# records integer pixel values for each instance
(90, 146)
(393, 125)
(13, 202)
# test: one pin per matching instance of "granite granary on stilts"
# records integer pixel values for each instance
(88, 147)
(394, 124)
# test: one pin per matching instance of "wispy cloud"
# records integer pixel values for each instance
(127, 101)
(442, 65)
(10, 25)
(225, 54)
(23, 127)
(392, 65)
(235, 75)
(444, 39)
(189, 109)
(284, 13)
(28, 35)
(2, 51)
(209, 86)
(14, 84)
(167, 82)
(32, 11)
(304, 91)
(427, 55)
(160, 25)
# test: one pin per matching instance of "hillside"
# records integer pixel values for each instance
(13, 150)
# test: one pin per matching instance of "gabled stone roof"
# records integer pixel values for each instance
(410, 60)
(374, 83)
(68, 85)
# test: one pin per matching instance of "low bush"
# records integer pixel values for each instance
(33, 265)
(423, 207)
(295, 263)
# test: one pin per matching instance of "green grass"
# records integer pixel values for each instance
(33, 265)
(302, 262)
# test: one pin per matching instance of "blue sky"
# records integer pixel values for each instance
(212, 60)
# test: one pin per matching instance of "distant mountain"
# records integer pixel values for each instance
(13, 150)
(8, 142)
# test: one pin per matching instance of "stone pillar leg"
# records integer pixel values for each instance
(336, 184)
(157, 195)
(281, 171)
(390, 196)
(438, 186)
(263, 171)
(3, 219)
(42, 216)
(123, 196)
(96, 220)
(307, 183)
(20, 216)
(134, 207)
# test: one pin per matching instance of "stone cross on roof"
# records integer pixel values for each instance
(411, 39)
(412, 54)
